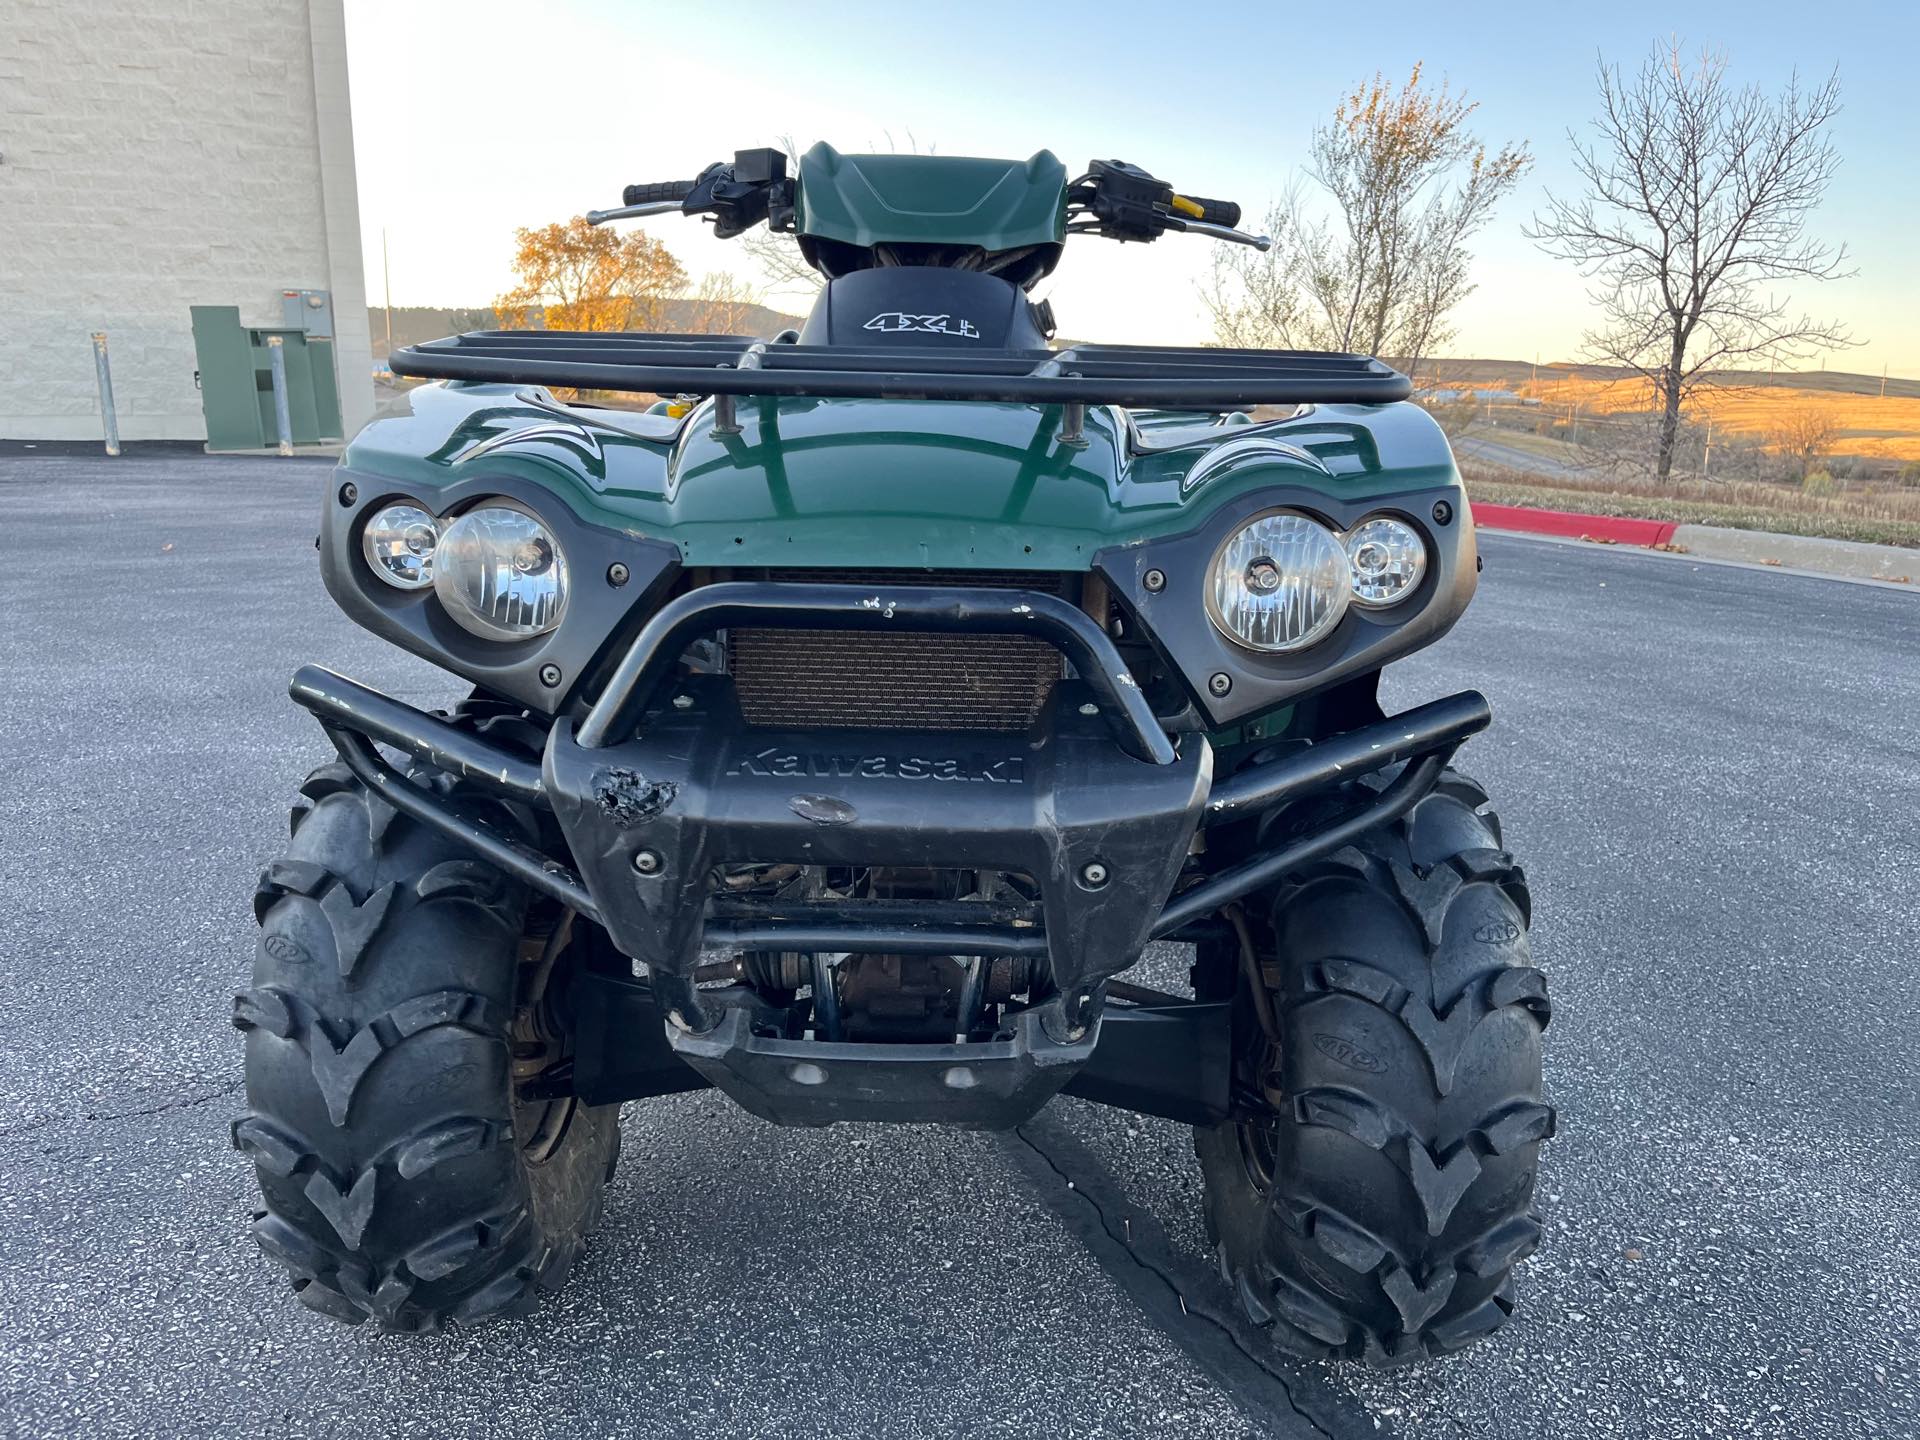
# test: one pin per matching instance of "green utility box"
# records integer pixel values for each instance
(236, 382)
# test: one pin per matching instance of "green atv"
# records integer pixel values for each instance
(844, 729)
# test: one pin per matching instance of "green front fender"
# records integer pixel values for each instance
(894, 483)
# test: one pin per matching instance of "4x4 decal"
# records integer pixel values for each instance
(895, 320)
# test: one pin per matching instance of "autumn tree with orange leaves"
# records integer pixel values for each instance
(1371, 257)
(578, 276)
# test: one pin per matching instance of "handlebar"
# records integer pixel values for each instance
(674, 190)
(1124, 202)
(751, 188)
(1262, 243)
(1114, 199)
(1210, 212)
(633, 212)
(637, 200)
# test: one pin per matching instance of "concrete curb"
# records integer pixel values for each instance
(1849, 558)
(1800, 552)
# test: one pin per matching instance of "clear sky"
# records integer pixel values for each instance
(471, 118)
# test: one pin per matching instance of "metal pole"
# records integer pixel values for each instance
(386, 270)
(282, 416)
(109, 422)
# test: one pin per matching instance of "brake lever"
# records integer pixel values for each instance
(1262, 243)
(630, 212)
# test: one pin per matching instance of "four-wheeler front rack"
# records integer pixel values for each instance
(1159, 377)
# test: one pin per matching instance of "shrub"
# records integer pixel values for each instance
(1820, 483)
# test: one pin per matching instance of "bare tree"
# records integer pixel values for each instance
(1697, 200)
(1408, 184)
(1803, 437)
(778, 256)
(721, 305)
(776, 253)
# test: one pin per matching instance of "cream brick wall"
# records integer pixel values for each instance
(159, 154)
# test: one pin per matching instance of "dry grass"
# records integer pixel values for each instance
(1884, 517)
(1866, 425)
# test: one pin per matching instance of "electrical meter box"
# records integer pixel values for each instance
(308, 310)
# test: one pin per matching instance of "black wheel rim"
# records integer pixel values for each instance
(1260, 1150)
(541, 1127)
(1256, 1073)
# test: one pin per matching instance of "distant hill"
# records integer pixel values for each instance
(1843, 415)
(1508, 374)
(413, 324)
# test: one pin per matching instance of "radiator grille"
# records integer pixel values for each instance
(895, 680)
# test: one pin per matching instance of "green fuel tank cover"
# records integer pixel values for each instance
(931, 199)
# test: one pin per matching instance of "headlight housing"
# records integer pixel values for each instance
(1279, 583)
(500, 573)
(1388, 558)
(398, 542)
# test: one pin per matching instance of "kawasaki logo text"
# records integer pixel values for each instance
(1006, 770)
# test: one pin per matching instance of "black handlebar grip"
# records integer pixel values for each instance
(665, 190)
(1218, 212)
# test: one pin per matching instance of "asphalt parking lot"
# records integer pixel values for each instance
(1711, 773)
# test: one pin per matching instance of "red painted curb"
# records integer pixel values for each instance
(1618, 529)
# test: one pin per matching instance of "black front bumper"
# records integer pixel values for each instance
(663, 782)
(1102, 835)
(1173, 1060)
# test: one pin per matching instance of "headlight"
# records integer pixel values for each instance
(1279, 583)
(501, 574)
(398, 543)
(1388, 559)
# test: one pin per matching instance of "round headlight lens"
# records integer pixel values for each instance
(398, 542)
(1388, 559)
(1279, 583)
(500, 573)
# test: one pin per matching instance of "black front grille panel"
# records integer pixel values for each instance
(895, 680)
(912, 680)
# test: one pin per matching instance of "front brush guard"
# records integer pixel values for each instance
(1096, 807)
(355, 717)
